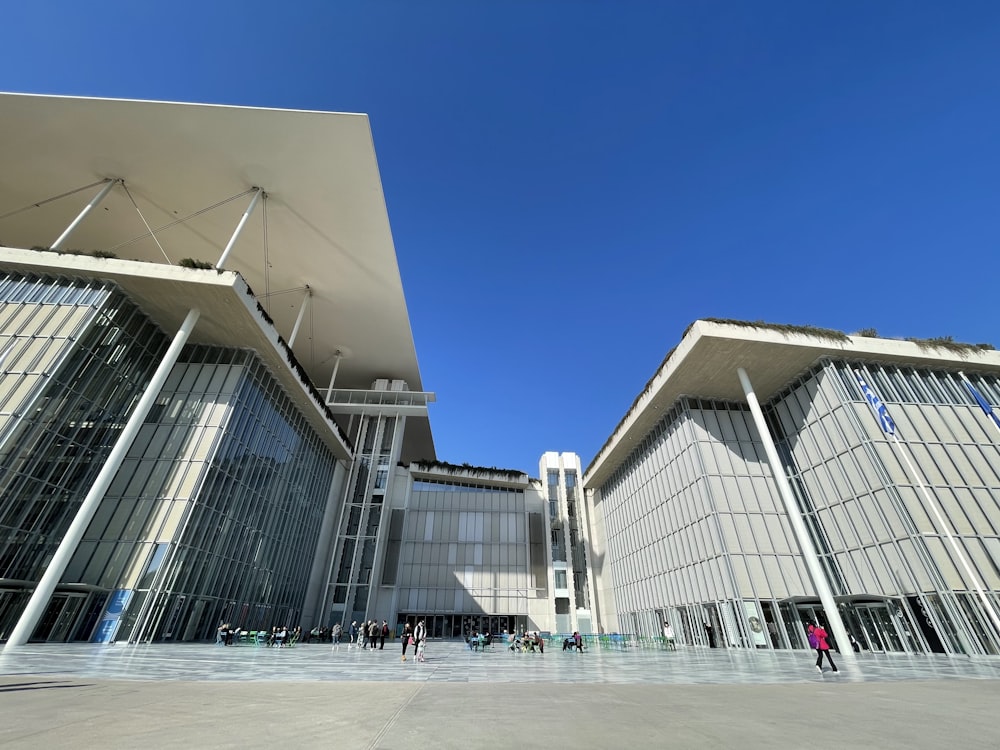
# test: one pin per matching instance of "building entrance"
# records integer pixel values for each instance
(879, 631)
(462, 626)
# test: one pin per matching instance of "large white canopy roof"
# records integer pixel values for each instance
(323, 226)
(704, 364)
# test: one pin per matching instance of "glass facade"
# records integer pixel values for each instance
(214, 513)
(76, 357)
(473, 558)
(698, 534)
(227, 477)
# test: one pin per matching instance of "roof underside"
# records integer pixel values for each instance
(704, 365)
(323, 226)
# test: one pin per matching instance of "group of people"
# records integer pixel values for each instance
(368, 634)
(529, 641)
(574, 641)
(415, 637)
(323, 634)
(279, 635)
(479, 641)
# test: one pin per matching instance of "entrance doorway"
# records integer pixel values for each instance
(879, 631)
(57, 622)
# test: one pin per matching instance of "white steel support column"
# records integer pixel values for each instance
(813, 565)
(89, 207)
(302, 313)
(239, 229)
(43, 591)
(333, 375)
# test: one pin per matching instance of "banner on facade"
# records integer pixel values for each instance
(108, 629)
(756, 623)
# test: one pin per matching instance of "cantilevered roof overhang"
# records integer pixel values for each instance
(228, 313)
(705, 365)
(187, 170)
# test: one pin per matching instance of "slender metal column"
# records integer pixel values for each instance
(43, 591)
(302, 313)
(89, 207)
(813, 565)
(333, 375)
(239, 229)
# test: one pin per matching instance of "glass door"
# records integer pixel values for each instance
(67, 617)
(879, 628)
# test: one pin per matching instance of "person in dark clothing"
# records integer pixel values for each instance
(406, 637)
(383, 635)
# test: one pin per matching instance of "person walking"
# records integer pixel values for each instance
(668, 636)
(354, 633)
(406, 637)
(383, 635)
(373, 631)
(419, 636)
(336, 635)
(822, 647)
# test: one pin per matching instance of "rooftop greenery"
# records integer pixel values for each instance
(946, 343)
(476, 471)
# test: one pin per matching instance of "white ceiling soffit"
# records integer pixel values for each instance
(326, 222)
(705, 364)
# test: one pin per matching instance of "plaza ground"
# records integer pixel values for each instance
(206, 696)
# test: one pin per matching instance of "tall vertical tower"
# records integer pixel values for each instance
(561, 474)
(378, 421)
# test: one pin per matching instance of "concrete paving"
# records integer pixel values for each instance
(205, 696)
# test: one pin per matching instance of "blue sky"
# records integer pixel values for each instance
(571, 183)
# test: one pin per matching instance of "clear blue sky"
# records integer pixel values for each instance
(570, 183)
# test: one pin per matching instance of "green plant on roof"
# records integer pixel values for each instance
(947, 343)
(192, 263)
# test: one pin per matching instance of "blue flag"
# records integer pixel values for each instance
(983, 403)
(881, 413)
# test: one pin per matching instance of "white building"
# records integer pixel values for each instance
(716, 515)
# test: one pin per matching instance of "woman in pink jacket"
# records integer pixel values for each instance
(822, 647)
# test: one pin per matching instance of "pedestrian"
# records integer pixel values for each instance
(854, 644)
(419, 636)
(373, 631)
(353, 633)
(710, 633)
(406, 638)
(336, 634)
(578, 639)
(822, 647)
(668, 636)
(383, 635)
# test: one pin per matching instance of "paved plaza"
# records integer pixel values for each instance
(201, 695)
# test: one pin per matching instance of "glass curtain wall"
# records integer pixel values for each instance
(76, 355)
(215, 514)
(875, 530)
(466, 558)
